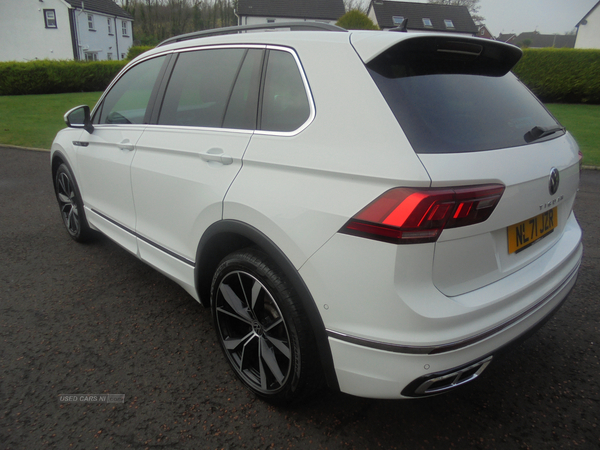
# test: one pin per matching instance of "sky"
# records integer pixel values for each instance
(518, 16)
(545, 16)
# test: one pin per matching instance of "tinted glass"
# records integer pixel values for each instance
(200, 87)
(285, 104)
(241, 110)
(443, 108)
(128, 99)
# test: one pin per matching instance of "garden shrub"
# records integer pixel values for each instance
(137, 50)
(561, 75)
(56, 77)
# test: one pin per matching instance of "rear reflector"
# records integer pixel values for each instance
(411, 216)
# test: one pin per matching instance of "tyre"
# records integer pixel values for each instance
(263, 329)
(71, 205)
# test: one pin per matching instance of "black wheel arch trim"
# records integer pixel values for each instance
(250, 235)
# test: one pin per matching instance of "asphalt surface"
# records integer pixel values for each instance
(92, 319)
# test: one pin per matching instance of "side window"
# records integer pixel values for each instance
(200, 87)
(241, 110)
(285, 104)
(128, 99)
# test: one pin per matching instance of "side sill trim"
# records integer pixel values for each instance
(444, 348)
(146, 240)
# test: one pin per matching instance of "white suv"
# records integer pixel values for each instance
(378, 211)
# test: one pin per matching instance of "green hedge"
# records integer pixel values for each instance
(138, 50)
(561, 75)
(56, 77)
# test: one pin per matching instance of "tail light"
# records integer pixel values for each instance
(411, 216)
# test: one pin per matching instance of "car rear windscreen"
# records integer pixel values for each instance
(453, 96)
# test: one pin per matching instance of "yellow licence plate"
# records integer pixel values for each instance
(522, 235)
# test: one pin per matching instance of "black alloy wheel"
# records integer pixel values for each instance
(70, 204)
(262, 329)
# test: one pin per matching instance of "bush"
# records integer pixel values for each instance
(356, 20)
(561, 75)
(137, 50)
(56, 77)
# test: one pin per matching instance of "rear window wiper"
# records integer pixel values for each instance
(539, 132)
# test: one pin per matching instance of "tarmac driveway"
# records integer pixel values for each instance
(92, 319)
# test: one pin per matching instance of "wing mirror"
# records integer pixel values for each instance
(79, 117)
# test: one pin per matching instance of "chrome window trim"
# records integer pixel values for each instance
(311, 102)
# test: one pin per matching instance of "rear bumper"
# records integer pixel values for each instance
(390, 342)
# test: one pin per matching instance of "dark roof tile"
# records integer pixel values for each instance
(416, 12)
(102, 6)
(296, 9)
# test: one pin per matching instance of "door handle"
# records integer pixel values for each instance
(216, 154)
(125, 144)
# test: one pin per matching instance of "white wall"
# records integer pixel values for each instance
(99, 41)
(23, 32)
(588, 35)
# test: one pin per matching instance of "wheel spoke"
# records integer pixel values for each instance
(256, 289)
(236, 304)
(233, 343)
(282, 346)
(234, 315)
(268, 356)
(63, 198)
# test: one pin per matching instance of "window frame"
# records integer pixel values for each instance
(427, 23)
(169, 70)
(449, 24)
(397, 20)
(90, 21)
(48, 19)
(155, 96)
(109, 23)
(124, 31)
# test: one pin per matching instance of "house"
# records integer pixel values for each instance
(533, 39)
(509, 38)
(422, 17)
(252, 12)
(88, 30)
(485, 33)
(588, 29)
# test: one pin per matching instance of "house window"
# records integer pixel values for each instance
(427, 22)
(50, 18)
(91, 22)
(124, 27)
(270, 20)
(398, 20)
(91, 56)
(109, 23)
(109, 56)
(448, 23)
(123, 55)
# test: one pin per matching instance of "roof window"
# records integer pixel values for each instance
(427, 22)
(398, 20)
(448, 23)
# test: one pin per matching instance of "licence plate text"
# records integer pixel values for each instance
(522, 235)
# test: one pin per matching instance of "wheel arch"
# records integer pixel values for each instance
(227, 236)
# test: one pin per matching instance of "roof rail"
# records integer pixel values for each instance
(293, 26)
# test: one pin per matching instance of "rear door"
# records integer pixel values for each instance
(186, 161)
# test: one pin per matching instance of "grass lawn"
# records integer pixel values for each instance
(34, 120)
(583, 121)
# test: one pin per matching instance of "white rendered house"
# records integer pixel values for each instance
(89, 30)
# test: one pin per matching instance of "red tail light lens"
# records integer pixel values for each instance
(411, 216)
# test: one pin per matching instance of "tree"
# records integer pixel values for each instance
(356, 20)
(472, 6)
